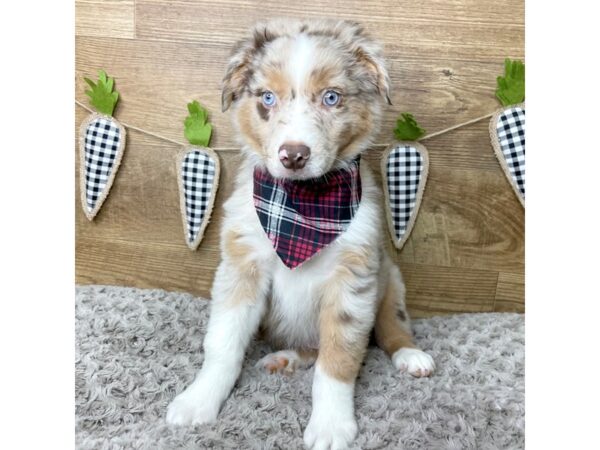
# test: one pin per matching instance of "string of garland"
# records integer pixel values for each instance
(221, 149)
(404, 163)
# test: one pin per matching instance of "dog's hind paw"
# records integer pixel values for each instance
(285, 362)
(414, 361)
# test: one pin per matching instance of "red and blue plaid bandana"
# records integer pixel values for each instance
(303, 216)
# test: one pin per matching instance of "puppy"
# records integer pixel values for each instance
(303, 243)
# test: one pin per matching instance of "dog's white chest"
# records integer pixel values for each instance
(293, 315)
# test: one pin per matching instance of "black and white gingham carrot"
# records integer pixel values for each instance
(404, 169)
(507, 127)
(198, 175)
(101, 145)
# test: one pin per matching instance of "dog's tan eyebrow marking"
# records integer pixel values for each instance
(319, 78)
(323, 79)
(276, 82)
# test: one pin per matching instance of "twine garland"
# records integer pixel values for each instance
(397, 243)
(229, 149)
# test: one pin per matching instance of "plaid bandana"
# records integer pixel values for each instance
(301, 217)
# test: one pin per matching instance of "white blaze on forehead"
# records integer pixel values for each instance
(300, 51)
(302, 60)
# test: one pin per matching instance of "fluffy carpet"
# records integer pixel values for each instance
(136, 349)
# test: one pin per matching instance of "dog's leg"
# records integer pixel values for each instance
(346, 318)
(392, 330)
(237, 305)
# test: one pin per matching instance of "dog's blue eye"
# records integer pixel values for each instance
(268, 98)
(331, 98)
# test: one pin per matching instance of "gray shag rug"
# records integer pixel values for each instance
(136, 349)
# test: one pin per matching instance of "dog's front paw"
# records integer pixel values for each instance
(192, 407)
(414, 361)
(329, 433)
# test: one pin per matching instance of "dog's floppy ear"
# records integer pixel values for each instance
(239, 68)
(236, 75)
(369, 57)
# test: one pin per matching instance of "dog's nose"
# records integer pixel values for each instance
(293, 155)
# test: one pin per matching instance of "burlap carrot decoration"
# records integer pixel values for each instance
(198, 175)
(101, 145)
(507, 127)
(404, 169)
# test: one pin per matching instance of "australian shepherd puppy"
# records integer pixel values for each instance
(306, 99)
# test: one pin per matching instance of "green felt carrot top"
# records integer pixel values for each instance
(197, 129)
(407, 128)
(102, 95)
(511, 87)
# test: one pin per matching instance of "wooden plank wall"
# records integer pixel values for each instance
(466, 252)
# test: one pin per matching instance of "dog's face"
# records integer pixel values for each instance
(306, 96)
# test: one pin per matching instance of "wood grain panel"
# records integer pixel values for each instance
(156, 80)
(466, 250)
(431, 290)
(455, 30)
(108, 18)
(145, 265)
(510, 293)
(469, 219)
